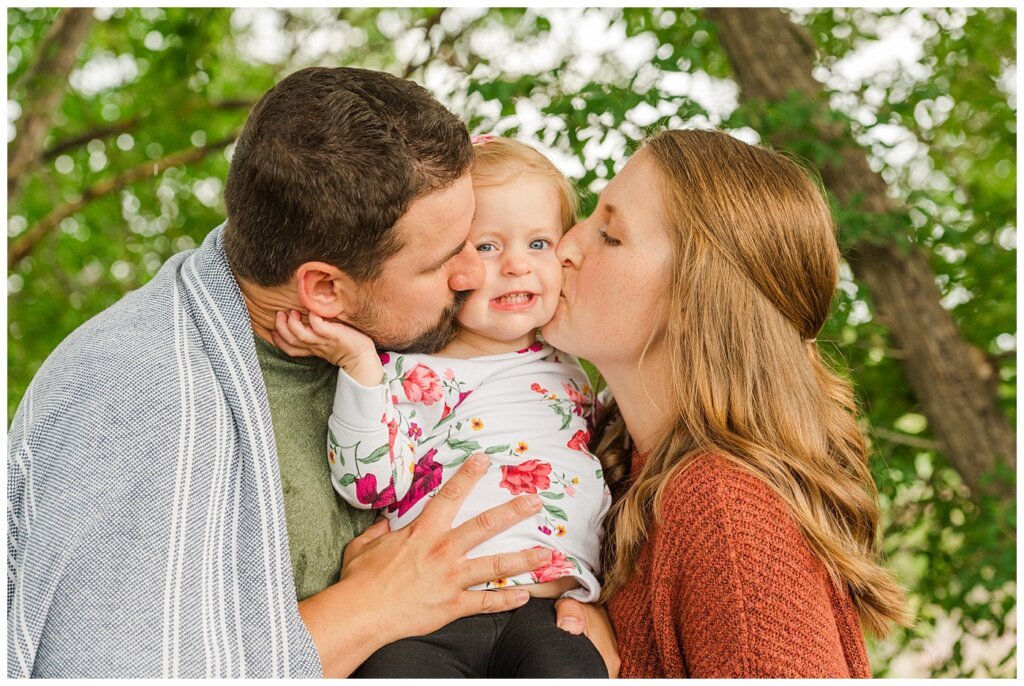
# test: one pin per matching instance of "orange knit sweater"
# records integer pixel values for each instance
(728, 587)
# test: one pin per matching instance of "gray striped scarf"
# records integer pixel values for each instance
(146, 533)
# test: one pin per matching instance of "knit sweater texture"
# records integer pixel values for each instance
(727, 587)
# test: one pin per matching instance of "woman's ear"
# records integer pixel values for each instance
(325, 290)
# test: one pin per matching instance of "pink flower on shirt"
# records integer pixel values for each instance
(556, 569)
(426, 476)
(421, 384)
(392, 432)
(366, 492)
(536, 347)
(579, 440)
(527, 477)
(415, 432)
(448, 410)
(577, 399)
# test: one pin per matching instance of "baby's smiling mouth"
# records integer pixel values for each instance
(514, 297)
(516, 300)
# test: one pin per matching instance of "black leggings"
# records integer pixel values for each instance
(522, 643)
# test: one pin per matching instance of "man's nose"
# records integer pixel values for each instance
(468, 270)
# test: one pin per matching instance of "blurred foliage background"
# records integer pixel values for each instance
(120, 124)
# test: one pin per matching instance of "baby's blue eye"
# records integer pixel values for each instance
(539, 244)
(485, 247)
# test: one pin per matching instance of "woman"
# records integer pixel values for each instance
(744, 538)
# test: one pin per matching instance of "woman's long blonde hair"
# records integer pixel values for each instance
(755, 270)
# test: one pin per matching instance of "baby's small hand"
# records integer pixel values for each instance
(331, 340)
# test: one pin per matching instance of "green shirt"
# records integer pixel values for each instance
(320, 524)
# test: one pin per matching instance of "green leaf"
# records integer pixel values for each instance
(347, 479)
(457, 461)
(496, 449)
(552, 496)
(556, 512)
(375, 455)
(458, 444)
(398, 366)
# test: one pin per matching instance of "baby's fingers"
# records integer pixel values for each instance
(282, 329)
(301, 333)
(325, 328)
(288, 347)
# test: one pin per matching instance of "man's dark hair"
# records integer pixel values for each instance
(329, 159)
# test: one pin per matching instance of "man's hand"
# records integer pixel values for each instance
(338, 343)
(591, 620)
(412, 581)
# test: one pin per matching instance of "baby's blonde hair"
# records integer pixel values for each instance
(499, 160)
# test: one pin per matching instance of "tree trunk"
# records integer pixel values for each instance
(953, 381)
(45, 83)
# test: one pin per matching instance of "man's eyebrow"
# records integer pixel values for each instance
(450, 255)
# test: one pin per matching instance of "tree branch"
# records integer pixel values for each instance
(81, 139)
(45, 84)
(905, 439)
(127, 125)
(24, 245)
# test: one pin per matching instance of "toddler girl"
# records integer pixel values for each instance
(495, 389)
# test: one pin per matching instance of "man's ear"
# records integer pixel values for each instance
(325, 290)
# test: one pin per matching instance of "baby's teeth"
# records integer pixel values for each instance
(516, 297)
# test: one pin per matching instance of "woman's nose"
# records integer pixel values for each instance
(468, 270)
(568, 249)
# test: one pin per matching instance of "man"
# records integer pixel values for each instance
(169, 505)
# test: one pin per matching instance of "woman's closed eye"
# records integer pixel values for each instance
(608, 239)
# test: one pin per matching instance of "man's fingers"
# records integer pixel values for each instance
(441, 510)
(487, 602)
(483, 569)
(485, 525)
(570, 615)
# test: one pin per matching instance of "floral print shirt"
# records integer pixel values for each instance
(392, 446)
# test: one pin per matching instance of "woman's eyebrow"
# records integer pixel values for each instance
(613, 213)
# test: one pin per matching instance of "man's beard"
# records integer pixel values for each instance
(435, 339)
